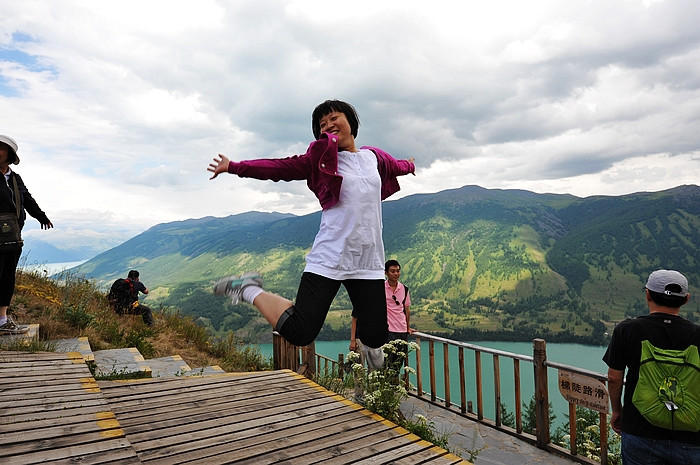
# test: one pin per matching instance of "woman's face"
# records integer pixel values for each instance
(4, 154)
(337, 123)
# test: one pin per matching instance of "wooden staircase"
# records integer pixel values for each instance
(53, 411)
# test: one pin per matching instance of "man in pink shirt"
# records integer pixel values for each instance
(398, 308)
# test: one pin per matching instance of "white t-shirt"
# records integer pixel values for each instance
(349, 242)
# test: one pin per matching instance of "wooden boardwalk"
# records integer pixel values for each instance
(52, 410)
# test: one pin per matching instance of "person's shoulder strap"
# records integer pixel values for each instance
(405, 294)
(17, 198)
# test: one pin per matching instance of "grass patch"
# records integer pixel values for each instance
(70, 306)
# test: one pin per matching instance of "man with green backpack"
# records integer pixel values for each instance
(659, 419)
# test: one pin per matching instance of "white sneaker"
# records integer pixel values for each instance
(10, 327)
(232, 286)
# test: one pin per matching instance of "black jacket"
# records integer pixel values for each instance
(27, 202)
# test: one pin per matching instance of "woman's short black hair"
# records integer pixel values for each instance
(328, 107)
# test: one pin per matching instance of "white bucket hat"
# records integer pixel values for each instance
(10, 142)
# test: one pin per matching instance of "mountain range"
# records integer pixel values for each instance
(480, 263)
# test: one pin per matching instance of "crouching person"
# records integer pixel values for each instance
(124, 297)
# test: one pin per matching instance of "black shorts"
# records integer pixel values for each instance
(301, 323)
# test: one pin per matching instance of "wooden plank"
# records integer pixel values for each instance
(297, 448)
(183, 403)
(213, 419)
(123, 392)
(182, 432)
(432, 457)
(65, 397)
(58, 439)
(398, 455)
(240, 450)
(349, 443)
(35, 357)
(116, 456)
(40, 387)
(21, 367)
(48, 372)
(20, 409)
(41, 430)
(127, 394)
(14, 356)
(202, 446)
(75, 419)
(435, 456)
(369, 450)
(27, 377)
(69, 454)
(48, 415)
(220, 412)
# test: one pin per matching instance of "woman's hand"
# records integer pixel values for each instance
(220, 165)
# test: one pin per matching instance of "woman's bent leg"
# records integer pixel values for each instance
(271, 306)
(301, 323)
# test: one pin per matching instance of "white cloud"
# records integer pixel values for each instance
(119, 107)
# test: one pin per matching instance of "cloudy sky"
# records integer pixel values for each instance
(119, 106)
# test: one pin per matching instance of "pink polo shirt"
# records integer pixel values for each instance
(395, 316)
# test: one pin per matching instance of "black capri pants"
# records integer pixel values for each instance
(301, 323)
(8, 269)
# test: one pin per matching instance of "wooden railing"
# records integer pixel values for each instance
(305, 360)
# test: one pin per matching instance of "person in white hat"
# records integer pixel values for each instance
(15, 203)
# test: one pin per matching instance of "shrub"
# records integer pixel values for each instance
(237, 356)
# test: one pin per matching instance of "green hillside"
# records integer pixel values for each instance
(480, 263)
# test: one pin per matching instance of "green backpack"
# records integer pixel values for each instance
(668, 390)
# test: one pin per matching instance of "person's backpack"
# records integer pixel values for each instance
(667, 392)
(119, 295)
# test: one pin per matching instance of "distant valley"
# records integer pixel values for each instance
(480, 263)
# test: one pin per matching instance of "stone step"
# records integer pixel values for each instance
(166, 367)
(121, 362)
(126, 362)
(76, 344)
(204, 371)
(174, 366)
